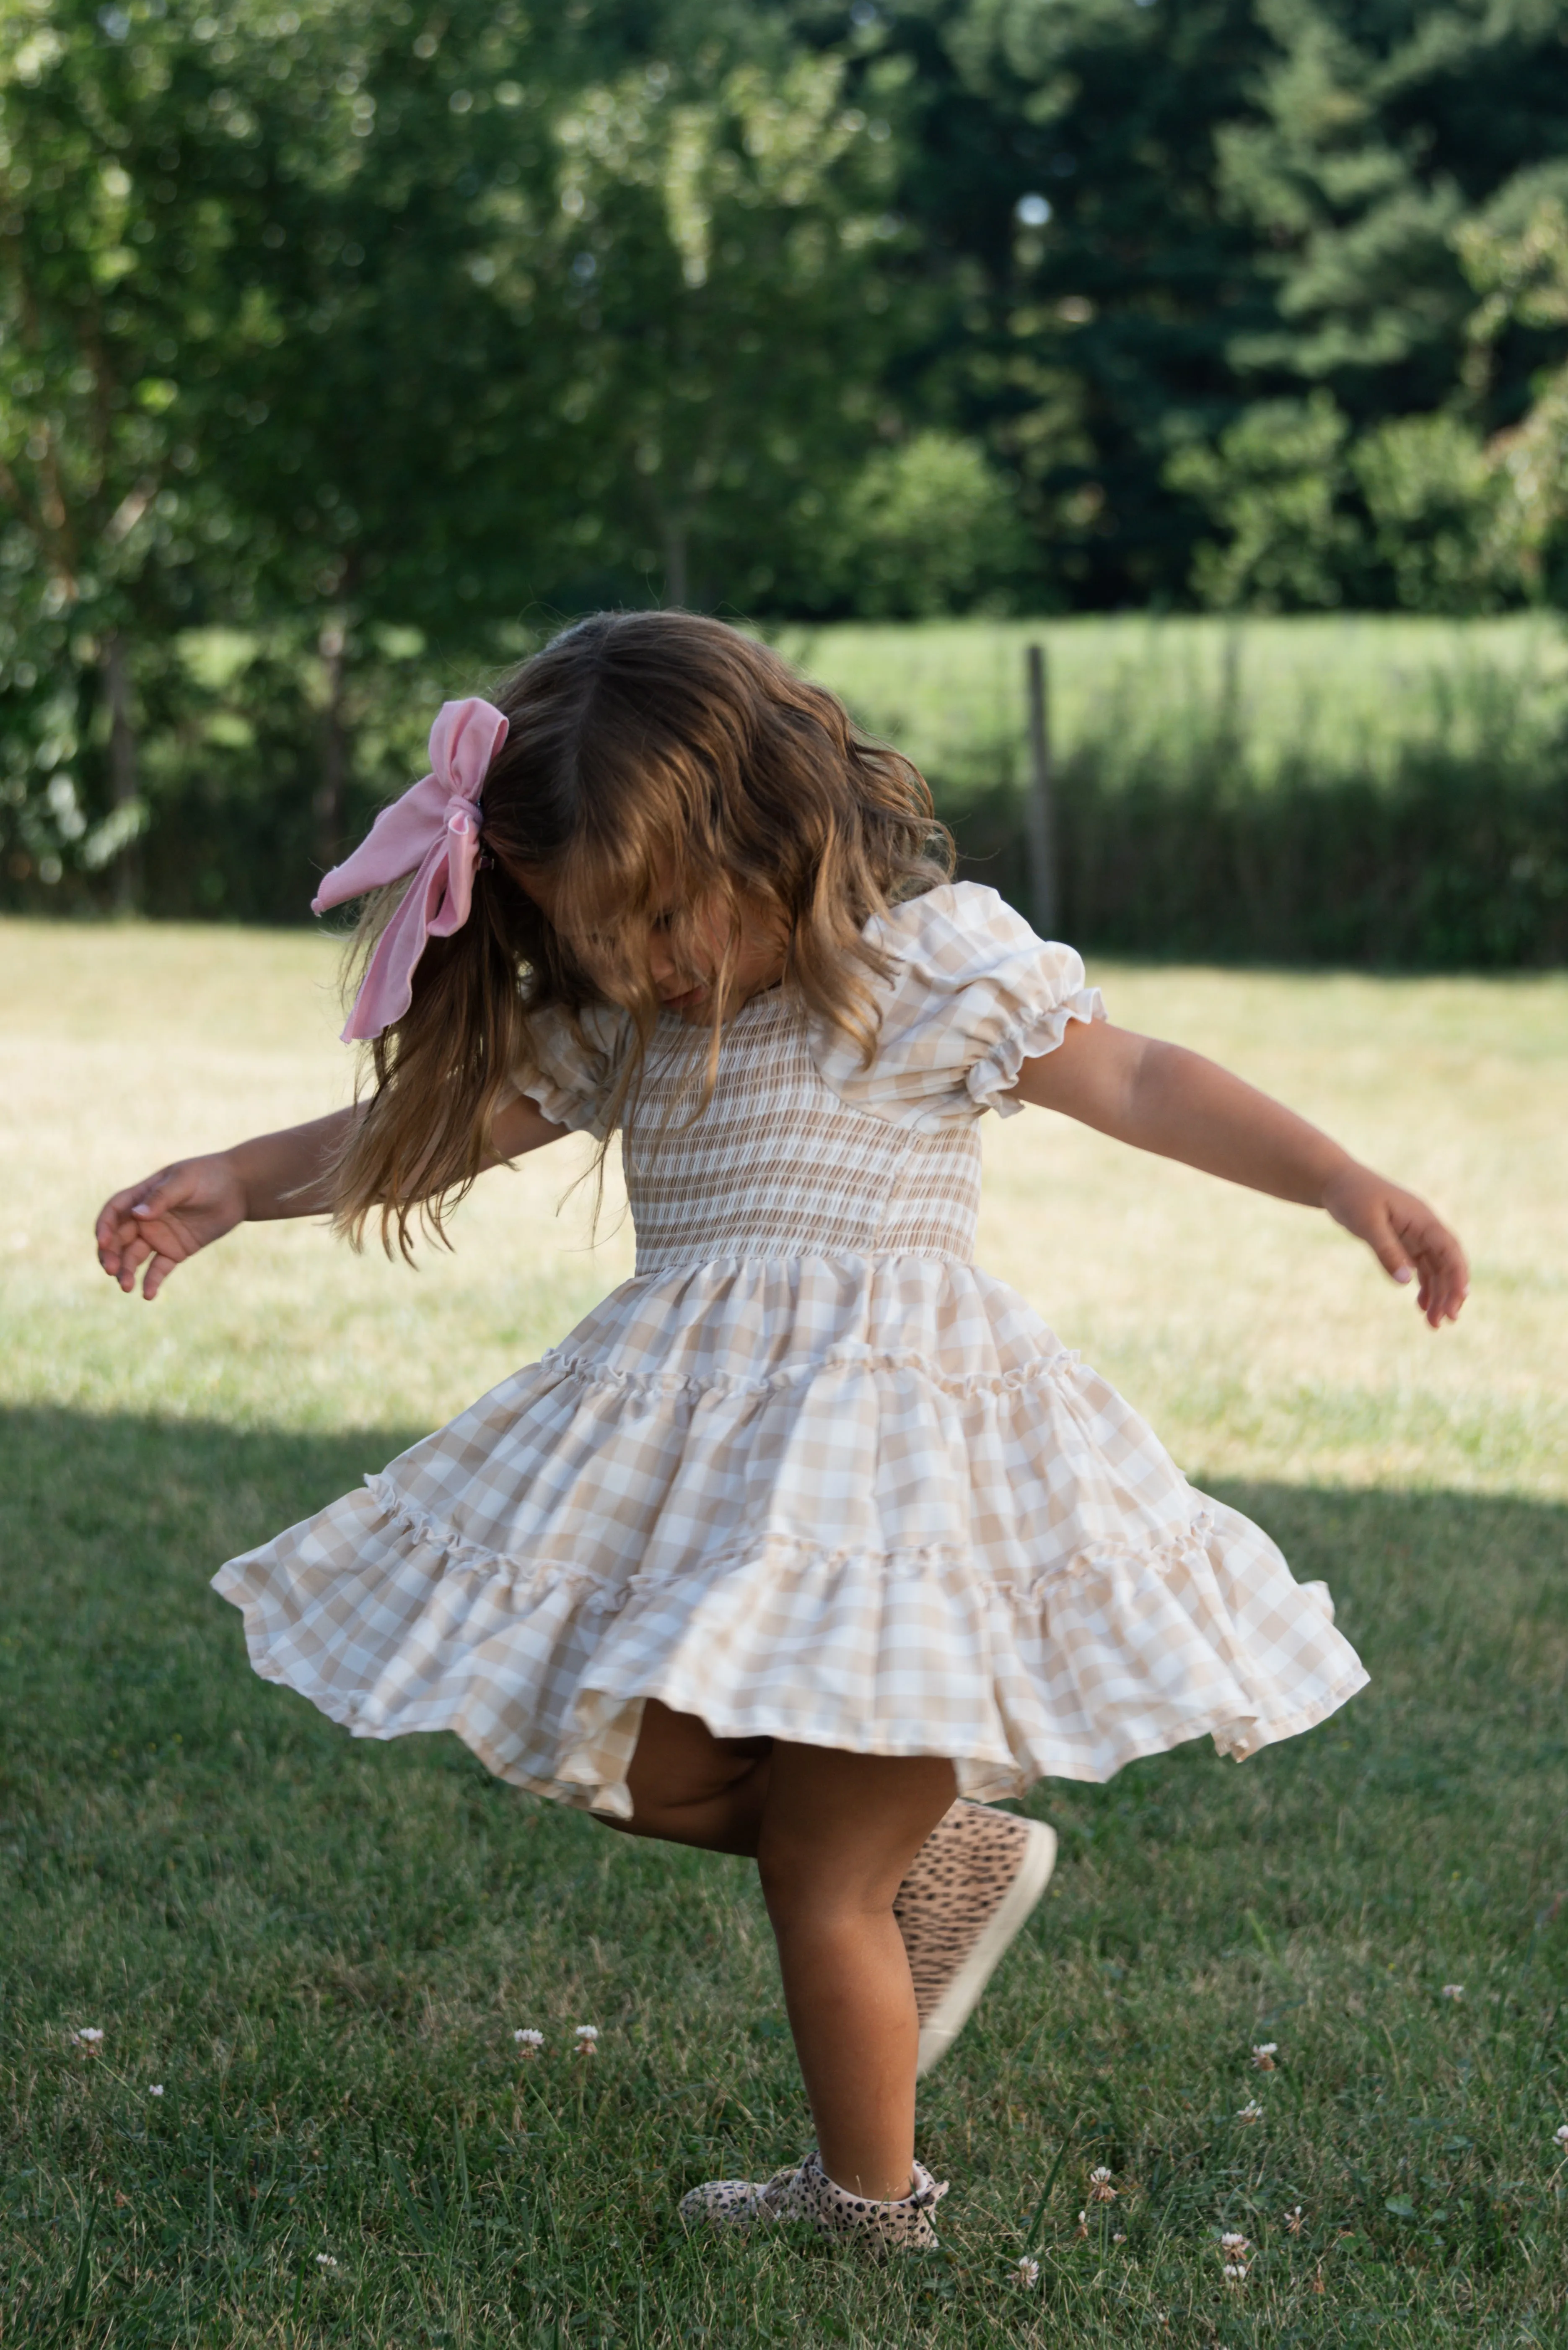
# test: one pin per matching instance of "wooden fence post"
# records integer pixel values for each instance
(1040, 811)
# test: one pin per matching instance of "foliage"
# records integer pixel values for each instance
(722, 225)
(1415, 513)
(322, 323)
(1440, 519)
(1060, 168)
(1523, 276)
(1378, 134)
(124, 335)
(1276, 485)
(926, 527)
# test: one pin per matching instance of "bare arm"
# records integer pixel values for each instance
(1163, 1098)
(165, 1219)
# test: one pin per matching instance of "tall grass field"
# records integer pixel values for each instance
(1388, 793)
(1317, 2000)
(1385, 791)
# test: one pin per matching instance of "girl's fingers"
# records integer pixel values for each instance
(1389, 1249)
(157, 1273)
(132, 1257)
(1445, 1275)
(120, 1216)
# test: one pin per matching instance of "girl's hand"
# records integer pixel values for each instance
(161, 1221)
(1404, 1236)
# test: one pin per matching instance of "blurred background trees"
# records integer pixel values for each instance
(343, 349)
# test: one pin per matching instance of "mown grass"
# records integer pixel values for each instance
(321, 1948)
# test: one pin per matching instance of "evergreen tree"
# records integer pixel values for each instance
(1382, 127)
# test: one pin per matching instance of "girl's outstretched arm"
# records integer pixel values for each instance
(167, 1217)
(1163, 1098)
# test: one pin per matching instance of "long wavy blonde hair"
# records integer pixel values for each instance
(654, 761)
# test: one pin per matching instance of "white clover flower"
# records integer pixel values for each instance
(1559, 2137)
(1232, 2245)
(1120, 2237)
(87, 2037)
(1295, 2221)
(1453, 1990)
(1235, 2271)
(1083, 2223)
(1263, 2055)
(587, 2038)
(1250, 2112)
(156, 2090)
(325, 2261)
(1100, 2188)
(529, 2041)
(1028, 2272)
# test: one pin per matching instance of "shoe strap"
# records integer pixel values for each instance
(920, 2198)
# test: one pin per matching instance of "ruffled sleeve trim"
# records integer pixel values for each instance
(991, 1079)
(972, 994)
(571, 1080)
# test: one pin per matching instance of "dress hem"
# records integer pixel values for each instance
(983, 1775)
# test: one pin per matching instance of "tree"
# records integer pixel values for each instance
(1378, 132)
(926, 527)
(1080, 278)
(1523, 276)
(406, 467)
(123, 145)
(721, 230)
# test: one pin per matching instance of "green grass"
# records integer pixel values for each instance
(1346, 694)
(321, 1947)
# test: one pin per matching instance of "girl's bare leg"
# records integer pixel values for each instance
(688, 1787)
(833, 1835)
(838, 1834)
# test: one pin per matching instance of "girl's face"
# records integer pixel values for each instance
(683, 948)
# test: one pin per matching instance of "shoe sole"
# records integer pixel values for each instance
(959, 2002)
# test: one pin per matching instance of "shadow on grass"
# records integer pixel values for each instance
(321, 1946)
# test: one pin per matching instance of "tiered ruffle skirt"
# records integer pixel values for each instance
(865, 1503)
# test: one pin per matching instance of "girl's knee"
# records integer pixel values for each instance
(804, 1877)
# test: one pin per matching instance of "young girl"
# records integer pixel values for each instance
(812, 1538)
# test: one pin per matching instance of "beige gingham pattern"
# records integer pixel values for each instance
(844, 1492)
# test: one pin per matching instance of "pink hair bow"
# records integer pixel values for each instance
(432, 832)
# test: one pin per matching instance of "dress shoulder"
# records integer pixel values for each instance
(972, 996)
(572, 1076)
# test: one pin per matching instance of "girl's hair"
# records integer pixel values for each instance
(654, 760)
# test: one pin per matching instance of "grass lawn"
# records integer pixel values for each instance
(319, 1949)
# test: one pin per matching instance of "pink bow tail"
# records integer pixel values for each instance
(431, 834)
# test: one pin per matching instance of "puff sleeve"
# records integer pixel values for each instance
(972, 995)
(571, 1079)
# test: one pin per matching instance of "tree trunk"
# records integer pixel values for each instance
(675, 582)
(121, 768)
(328, 805)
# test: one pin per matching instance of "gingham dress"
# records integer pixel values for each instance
(809, 1473)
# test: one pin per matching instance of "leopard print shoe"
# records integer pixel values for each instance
(974, 1881)
(744, 2202)
(807, 2193)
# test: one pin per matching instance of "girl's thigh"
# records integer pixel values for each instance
(678, 1762)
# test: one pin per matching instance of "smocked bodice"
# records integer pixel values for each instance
(776, 1164)
(806, 1146)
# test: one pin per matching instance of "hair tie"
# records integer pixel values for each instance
(432, 832)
